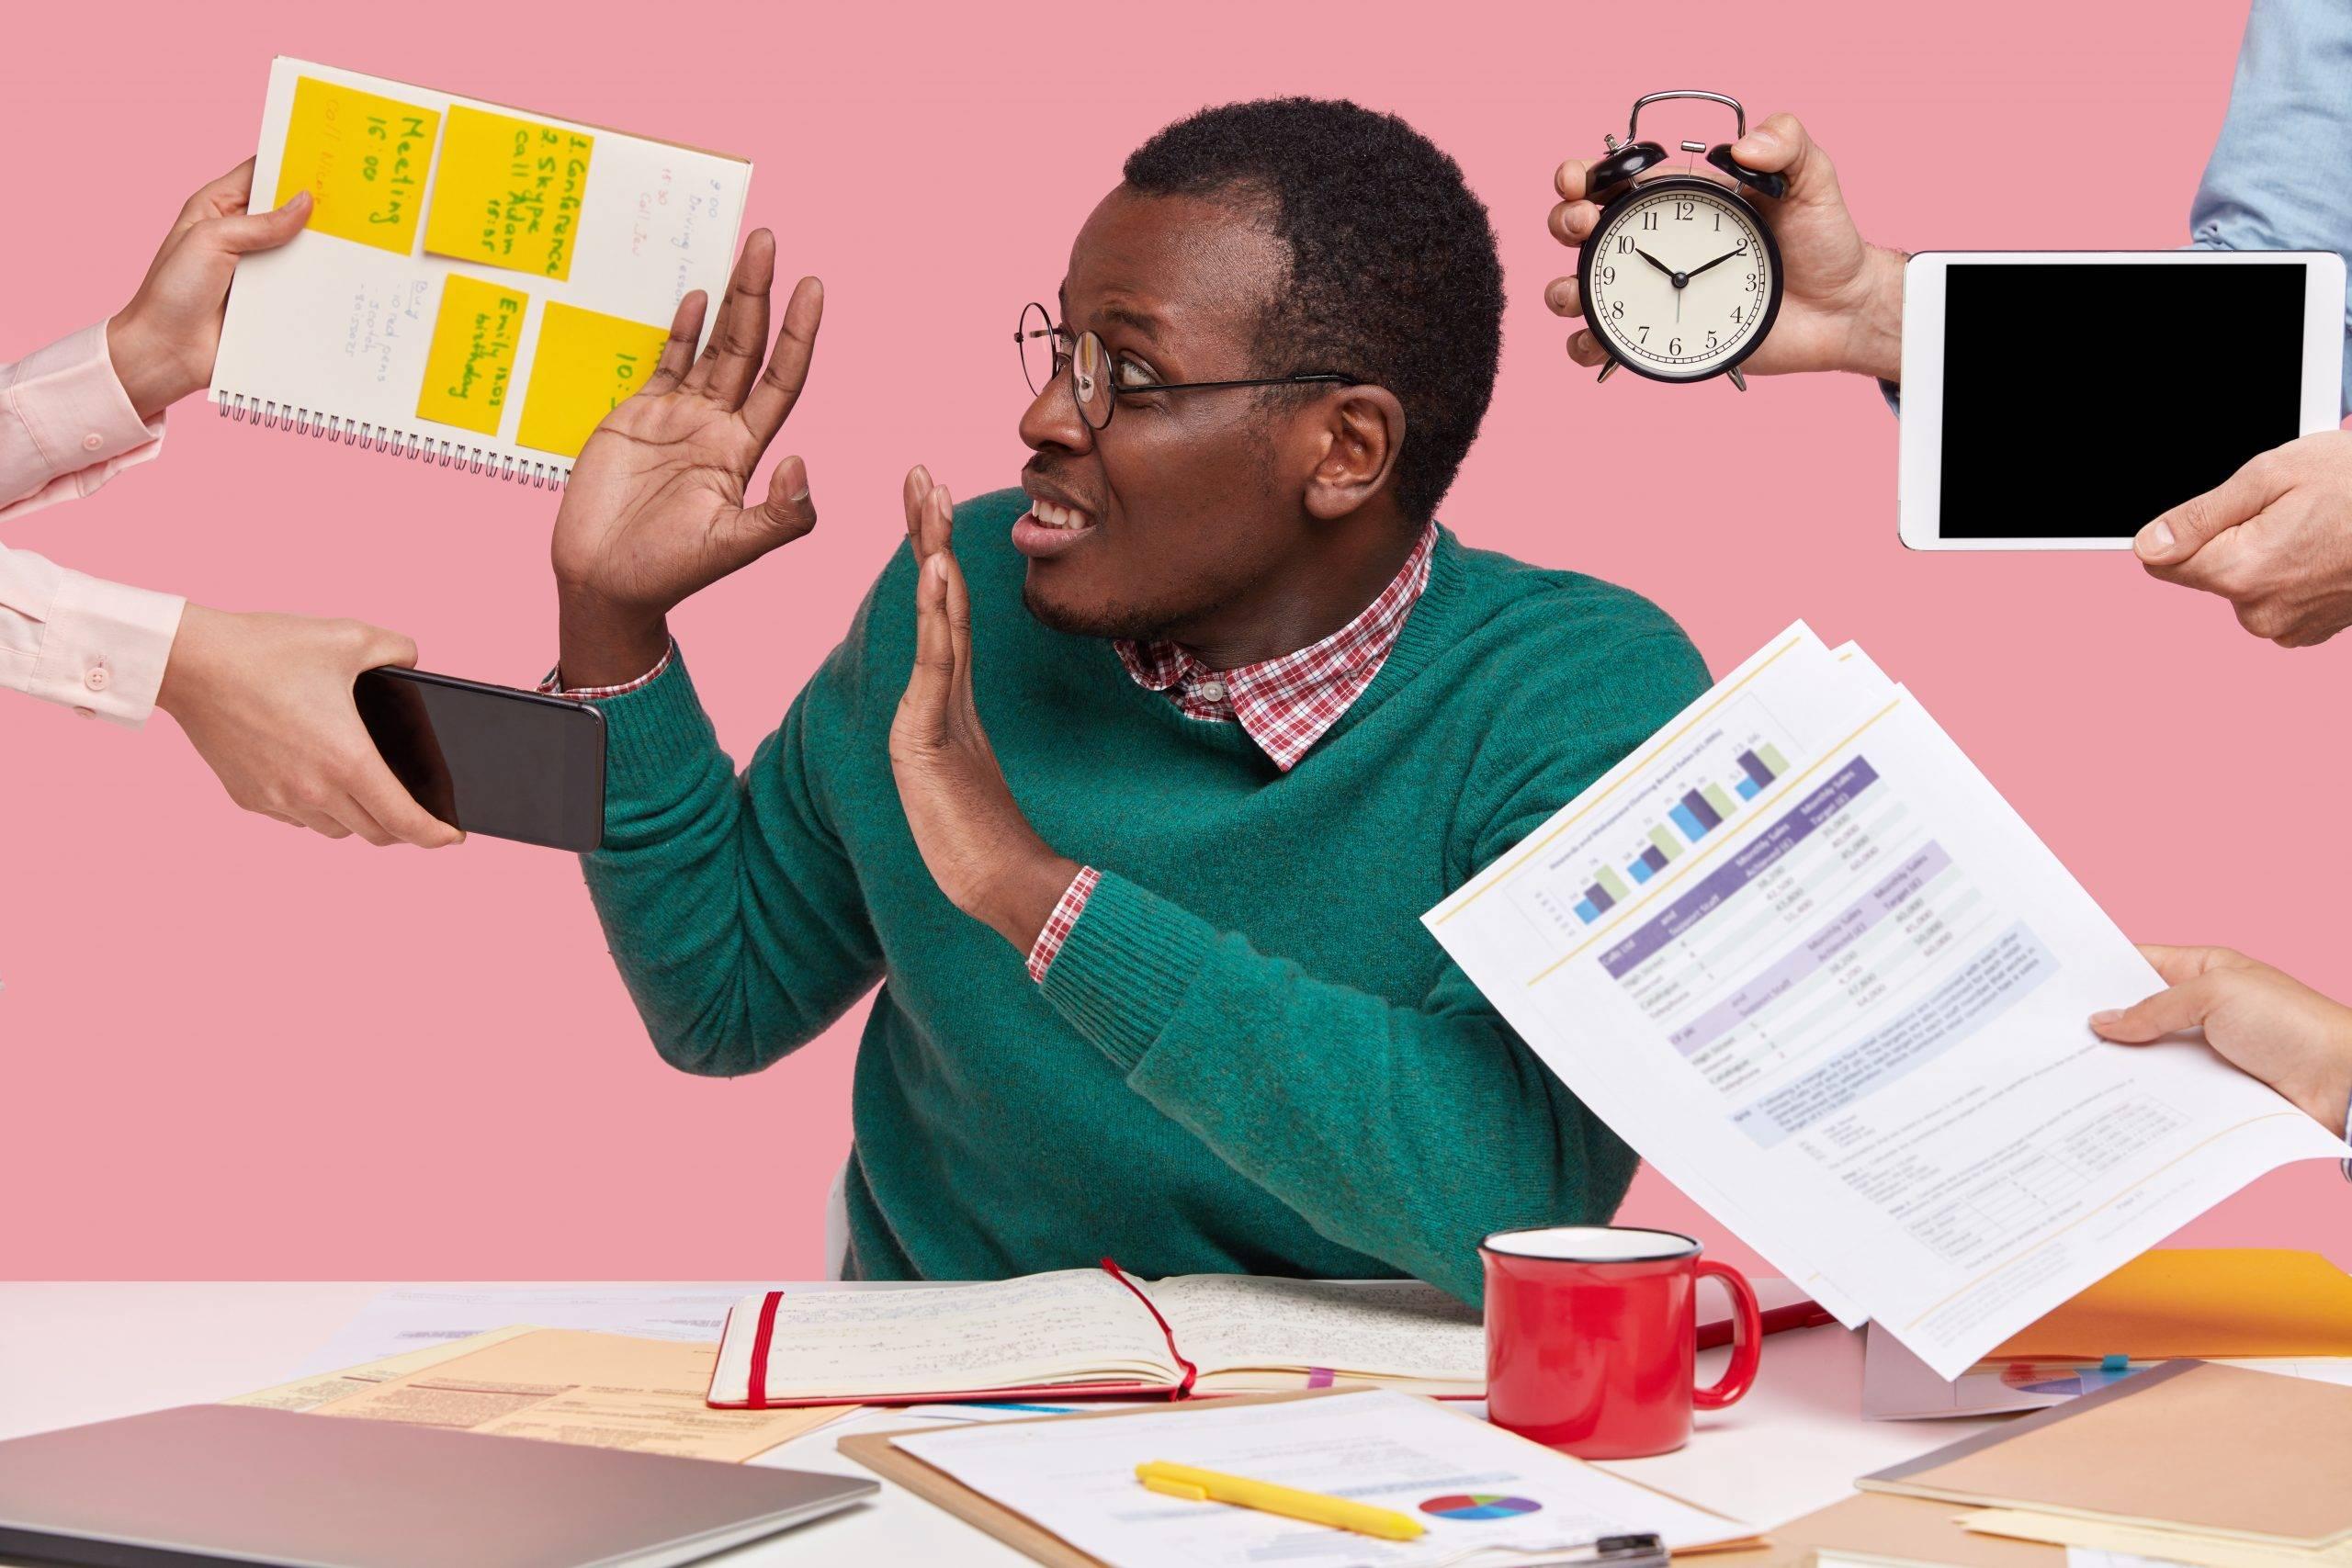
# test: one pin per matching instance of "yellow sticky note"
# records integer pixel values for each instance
(587, 362)
(471, 356)
(362, 158)
(509, 193)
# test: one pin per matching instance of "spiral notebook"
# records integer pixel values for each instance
(478, 286)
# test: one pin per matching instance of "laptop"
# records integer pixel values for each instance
(213, 1484)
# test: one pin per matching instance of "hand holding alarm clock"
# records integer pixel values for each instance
(1685, 275)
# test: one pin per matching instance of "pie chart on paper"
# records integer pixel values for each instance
(1479, 1505)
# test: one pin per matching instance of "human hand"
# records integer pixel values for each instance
(654, 510)
(2259, 1020)
(1841, 304)
(267, 702)
(162, 344)
(2275, 539)
(978, 846)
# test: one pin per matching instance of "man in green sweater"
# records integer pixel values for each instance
(1130, 786)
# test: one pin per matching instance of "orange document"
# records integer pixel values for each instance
(2201, 1301)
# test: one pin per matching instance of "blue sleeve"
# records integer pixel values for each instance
(2280, 178)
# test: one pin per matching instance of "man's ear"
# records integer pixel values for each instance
(1361, 432)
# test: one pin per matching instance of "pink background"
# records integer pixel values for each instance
(228, 1049)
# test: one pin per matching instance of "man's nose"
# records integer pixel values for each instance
(1051, 420)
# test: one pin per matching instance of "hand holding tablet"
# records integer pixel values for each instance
(2115, 384)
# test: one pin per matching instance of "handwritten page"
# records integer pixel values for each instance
(363, 158)
(510, 192)
(570, 1386)
(587, 363)
(1240, 1324)
(472, 354)
(362, 330)
(1480, 1494)
(1071, 1326)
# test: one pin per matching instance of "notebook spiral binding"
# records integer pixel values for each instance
(383, 438)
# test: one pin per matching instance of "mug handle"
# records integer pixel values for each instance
(1746, 1338)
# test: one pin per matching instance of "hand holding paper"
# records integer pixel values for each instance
(164, 342)
(656, 507)
(1801, 954)
(2262, 1020)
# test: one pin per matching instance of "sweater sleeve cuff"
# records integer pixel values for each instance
(104, 649)
(1123, 971)
(654, 731)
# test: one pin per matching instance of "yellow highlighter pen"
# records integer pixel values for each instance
(1213, 1486)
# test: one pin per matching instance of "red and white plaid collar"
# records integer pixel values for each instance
(1285, 705)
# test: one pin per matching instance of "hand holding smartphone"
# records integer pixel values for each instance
(492, 759)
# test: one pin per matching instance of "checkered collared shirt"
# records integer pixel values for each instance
(1284, 704)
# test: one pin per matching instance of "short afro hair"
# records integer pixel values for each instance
(1395, 277)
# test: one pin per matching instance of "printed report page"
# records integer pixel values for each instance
(1798, 950)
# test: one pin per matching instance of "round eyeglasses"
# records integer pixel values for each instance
(1047, 351)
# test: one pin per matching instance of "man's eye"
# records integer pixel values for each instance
(1135, 377)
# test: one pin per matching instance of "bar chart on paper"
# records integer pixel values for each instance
(1721, 770)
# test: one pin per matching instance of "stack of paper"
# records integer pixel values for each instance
(2191, 1463)
(1481, 1494)
(565, 1385)
(1803, 955)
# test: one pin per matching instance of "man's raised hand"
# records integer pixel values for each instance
(656, 508)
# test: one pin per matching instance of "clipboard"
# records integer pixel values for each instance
(877, 1453)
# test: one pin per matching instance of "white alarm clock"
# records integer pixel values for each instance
(1681, 278)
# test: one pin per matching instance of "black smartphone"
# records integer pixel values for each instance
(491, 759)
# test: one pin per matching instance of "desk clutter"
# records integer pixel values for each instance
(1307, 1432)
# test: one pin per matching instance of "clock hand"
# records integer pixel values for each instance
(1653, 261)
(1717, 262)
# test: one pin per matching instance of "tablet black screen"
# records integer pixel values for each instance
(2081, 400)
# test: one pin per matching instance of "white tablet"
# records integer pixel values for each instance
(2059, 400)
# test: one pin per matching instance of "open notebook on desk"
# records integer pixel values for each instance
(1097, 1331)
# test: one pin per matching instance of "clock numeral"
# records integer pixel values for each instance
(1608, 273)
(1649, 220)
(1645, 335)
(1741, 248)
(1735, 315)
(1710, 340)
(1625, 244)
(1616, 310)
(1674, 346)
(1755, 284)
(1719, 222)
(1683, 210)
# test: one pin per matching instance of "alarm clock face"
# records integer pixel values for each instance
(1681, 279)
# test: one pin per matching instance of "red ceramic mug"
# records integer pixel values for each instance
(1591, 1332)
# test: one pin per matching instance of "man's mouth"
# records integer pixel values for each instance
(1050, 527)
(1055, 516)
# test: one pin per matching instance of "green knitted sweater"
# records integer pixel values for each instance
(1249, 1056)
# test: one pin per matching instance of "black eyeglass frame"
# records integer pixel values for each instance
(1063, 364)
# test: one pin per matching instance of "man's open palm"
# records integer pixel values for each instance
(655, 508)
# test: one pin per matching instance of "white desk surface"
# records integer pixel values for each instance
(72, 1352)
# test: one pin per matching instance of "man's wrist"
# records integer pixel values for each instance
(1874, 333)
(603, 644)
(151, 376)
(1019, 902)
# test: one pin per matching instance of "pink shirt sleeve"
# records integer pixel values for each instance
(66, 427)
